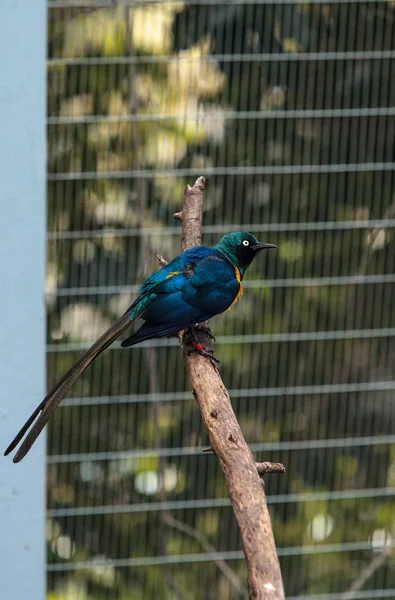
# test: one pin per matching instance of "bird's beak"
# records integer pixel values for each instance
(259, 246)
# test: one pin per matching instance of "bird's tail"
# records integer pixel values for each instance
(44, 411)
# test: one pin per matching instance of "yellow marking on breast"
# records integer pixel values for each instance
(173, 273)
(241, 291)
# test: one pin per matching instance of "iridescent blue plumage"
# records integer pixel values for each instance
(195, 286)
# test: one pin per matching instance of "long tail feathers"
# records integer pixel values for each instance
(47, 407)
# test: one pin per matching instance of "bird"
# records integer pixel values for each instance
(198, 284)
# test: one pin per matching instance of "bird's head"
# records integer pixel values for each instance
(240, 248)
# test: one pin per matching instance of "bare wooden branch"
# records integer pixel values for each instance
(162, 261)
(267, 467)
(263, 468)
(245, 487)
(191, 215)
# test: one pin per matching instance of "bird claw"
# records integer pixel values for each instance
(207, 353)
(206, 330)
(197, 346)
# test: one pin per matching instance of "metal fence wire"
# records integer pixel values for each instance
(289, 108)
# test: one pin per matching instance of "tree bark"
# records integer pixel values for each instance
(245, 487)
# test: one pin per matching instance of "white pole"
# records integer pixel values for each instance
(22, 310)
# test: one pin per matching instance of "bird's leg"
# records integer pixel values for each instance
(206, 330)
(198, 346)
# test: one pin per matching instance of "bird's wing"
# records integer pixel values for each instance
(209, 284)
(180, 265)
(167, 312)
(213, 286)
(184, 297)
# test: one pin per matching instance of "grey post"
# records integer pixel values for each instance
(22, 309)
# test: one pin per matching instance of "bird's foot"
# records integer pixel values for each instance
(206, 330)
(197, 347)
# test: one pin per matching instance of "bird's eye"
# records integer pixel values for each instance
(246, 243)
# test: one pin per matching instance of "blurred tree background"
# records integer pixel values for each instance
(289, 109)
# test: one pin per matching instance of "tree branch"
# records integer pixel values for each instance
(268, 467)
(376, 562)
(246, 489)
(207, 547)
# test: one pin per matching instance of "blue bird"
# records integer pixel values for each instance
(196, 285)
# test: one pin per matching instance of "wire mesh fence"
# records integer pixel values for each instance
(289, 109)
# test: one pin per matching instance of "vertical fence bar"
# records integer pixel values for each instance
(22, 252)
